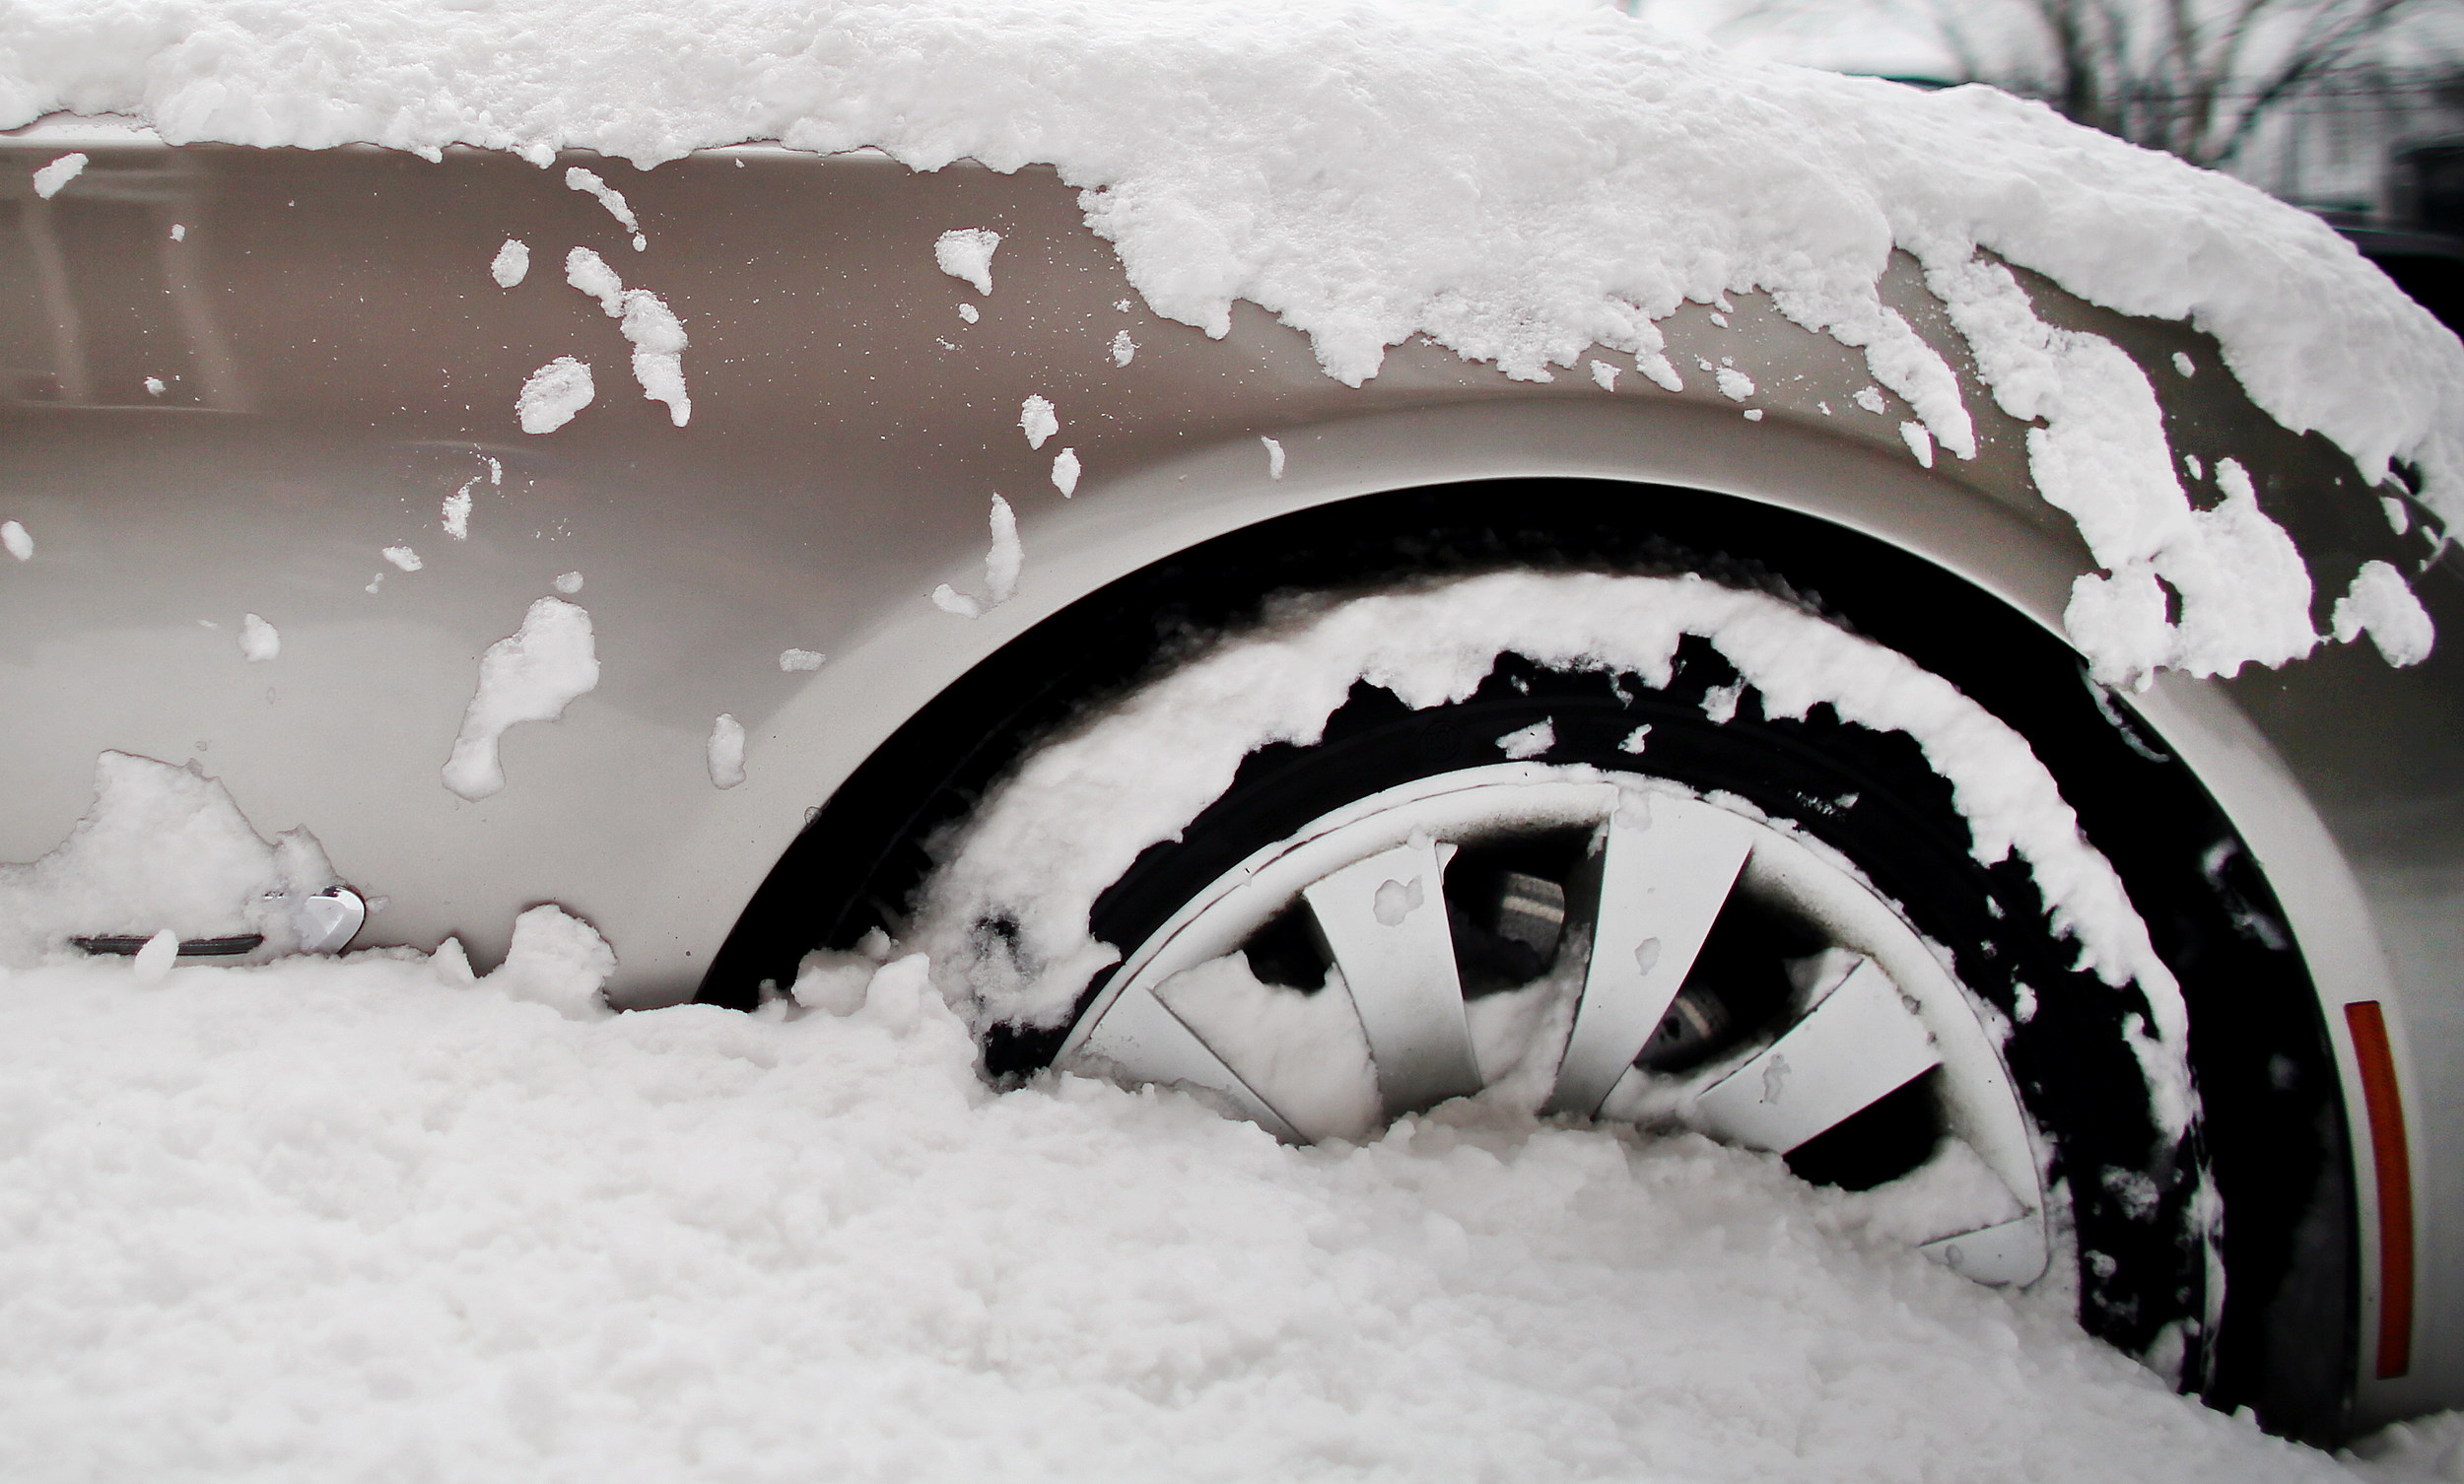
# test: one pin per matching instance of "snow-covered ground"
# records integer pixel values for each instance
(372, 1219)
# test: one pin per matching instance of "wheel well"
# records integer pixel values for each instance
(2274, 1133)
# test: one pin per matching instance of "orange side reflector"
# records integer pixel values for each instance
(2393, 1162)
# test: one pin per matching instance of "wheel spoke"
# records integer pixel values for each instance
(1668, 865)
(1145, 1042)
(1860, 1044)
(2010, 1253)
(1384, 920)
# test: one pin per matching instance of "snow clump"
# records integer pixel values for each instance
(260, 640)
(1001, 566)
(2381, 604)
(554, 393)
(588, 183)
(529, 675)
(1037, 421)
(658, 336)
(967, 254)
(16, 542)
(49, 178)
(511, 263)
(726, 750)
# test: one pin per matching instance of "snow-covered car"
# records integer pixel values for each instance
(1874, 624)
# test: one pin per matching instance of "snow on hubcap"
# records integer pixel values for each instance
(1591, 944)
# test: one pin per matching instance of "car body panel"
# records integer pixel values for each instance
(336, 360)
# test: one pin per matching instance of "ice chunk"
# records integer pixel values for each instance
(800, 659)
(50, 178)
(530, 675)
(454, 515)
(2381, 604)
(1037, 421)
(614, 200)
(1275, 457)
(511, 263)
(967, 253)
(1124, 348)
(403, 558)
(1606, 375)
(260, 640)
(727, 751)
(1065, 472)
(553, 394)
(162, 847)
(569, 583)
(15, 541)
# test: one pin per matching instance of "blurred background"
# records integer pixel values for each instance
(2351, 108)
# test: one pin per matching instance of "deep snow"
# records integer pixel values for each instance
(370, 1220)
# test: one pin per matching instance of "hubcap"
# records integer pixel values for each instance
(1595, 945)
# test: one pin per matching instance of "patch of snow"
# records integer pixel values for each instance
(314, 1219)
(2399, 519)
(1920, 443)
(658, 336)
(800, 659)
(969, 313)
(1124, 348)
(162, 849)
(1037, 421)
(588, 181)
(529, 675)
(1531, 742)
(1275, 457)
(179, 232)
(1719, 702)
(1065, 472)
(1754, 414)
(154, 387)
(511, 263)
(1634, 740)
(2196, 469)
(2381, 604)
(403, 558)
(260, 640)
(967, 253)
(567, 584)
(153, 963)
(1870, 399)
(727, 751)
(553, 394)
(1735, 384)
(50, 178)
(2184, 364)
(2099, 454)
(15, 541)
(1606, 375)
(454, 513)
(1077, 813)
(1002, 566)
(1306, 1054)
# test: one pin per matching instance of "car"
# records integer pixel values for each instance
(1975, 731)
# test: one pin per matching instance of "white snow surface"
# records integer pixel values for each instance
(530, 675)
(1365, 169)
(382, 1219)
(1077, 811)
(967, 254)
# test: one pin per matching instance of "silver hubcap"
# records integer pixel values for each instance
(1556, 938)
